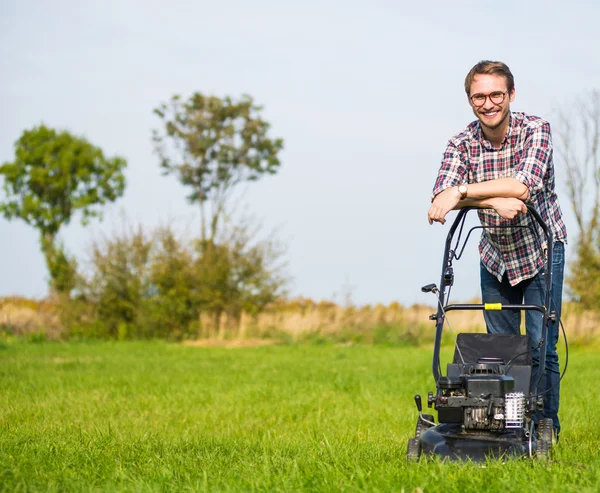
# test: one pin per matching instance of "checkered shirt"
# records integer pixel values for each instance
(525, 154)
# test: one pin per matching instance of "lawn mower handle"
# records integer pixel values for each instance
(446, 282)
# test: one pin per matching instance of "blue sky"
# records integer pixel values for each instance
(365, 96)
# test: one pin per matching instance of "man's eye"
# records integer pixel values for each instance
(497, 94)
(478, 97)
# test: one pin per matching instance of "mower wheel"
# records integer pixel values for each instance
(422, 425)
(413, 452)
(545, 436)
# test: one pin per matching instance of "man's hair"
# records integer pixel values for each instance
(488, 67)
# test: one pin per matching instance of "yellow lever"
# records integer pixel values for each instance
(492, 306)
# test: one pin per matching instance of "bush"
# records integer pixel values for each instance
(584, 278)
(159, 286)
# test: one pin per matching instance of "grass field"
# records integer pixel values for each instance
(149, 416)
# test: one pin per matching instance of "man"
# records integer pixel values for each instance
(500, 162)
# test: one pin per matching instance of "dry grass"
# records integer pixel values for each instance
(23, 316)
(299, 317)
(296, 319)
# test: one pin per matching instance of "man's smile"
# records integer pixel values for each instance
(489, 114)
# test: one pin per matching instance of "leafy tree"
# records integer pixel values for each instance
(211, 145)
(578, 148)
(54, 175)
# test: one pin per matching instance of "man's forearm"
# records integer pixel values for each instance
(506, 207)
(501, 187)
(504, 195)
(487, 203)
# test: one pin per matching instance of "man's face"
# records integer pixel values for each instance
(491, 114)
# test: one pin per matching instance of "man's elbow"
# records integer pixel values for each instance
(523, 192)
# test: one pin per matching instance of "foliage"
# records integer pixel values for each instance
(61, 266)
(158, 286)
(238, 274)
(584, 276)
(211, 145)
(54, 175)
(119, 282)
(171, 310)
(578, 148)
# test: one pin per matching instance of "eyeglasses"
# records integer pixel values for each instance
(496, 97)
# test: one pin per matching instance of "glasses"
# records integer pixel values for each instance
(496, 97)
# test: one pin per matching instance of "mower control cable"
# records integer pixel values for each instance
(436, 291)
(566, 361)
(513, 360)
(564, 371)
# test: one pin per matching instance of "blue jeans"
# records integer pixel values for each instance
(531, 292)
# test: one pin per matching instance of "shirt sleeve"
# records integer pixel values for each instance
(537, 154)
(453, 171)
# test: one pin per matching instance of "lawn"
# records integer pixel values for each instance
(151, 416)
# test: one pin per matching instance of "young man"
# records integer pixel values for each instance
(498, 163)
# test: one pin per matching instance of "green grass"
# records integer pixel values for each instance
(166, 417)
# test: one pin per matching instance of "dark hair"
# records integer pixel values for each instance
(490, 68)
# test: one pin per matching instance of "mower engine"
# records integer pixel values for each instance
(481, 397)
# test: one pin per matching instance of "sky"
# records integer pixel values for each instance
(364, 94)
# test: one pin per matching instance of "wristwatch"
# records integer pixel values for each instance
(462, 189)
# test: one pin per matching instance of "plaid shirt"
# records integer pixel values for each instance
(525, 154)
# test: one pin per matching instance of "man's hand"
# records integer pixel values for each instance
(508, 208)
(443, 203)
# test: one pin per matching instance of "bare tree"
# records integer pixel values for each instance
(577, 146)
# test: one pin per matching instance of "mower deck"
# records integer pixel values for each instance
(450, 441)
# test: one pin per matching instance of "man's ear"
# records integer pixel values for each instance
(511, 95)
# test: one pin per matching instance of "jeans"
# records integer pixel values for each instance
(531, 292)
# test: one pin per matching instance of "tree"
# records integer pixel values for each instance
(54, 175)
(212, 145)
(578, 147)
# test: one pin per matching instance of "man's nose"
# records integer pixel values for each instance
(488, 105)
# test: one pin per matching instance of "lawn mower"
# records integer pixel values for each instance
(487, 400)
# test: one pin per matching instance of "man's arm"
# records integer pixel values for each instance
(501, 187)
(536, 160)
(506, 207)
(504, 195)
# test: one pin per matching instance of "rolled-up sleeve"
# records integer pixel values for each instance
(537, 153)
(453, 170)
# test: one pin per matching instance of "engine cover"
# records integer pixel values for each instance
(487, 385)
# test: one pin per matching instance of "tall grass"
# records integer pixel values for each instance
(304, 320)
(149, 416)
